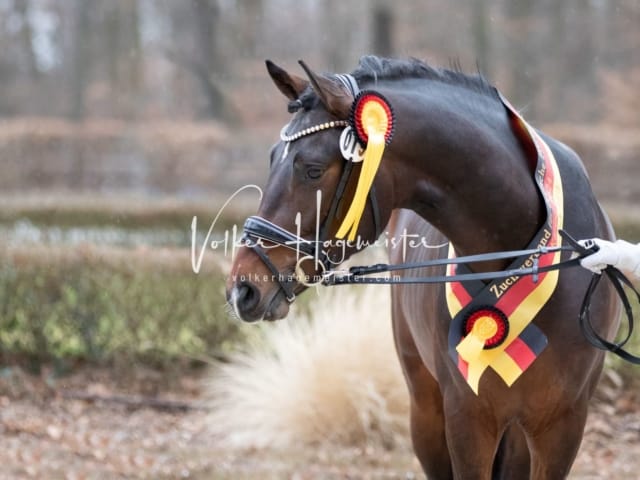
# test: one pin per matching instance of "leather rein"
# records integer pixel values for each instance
(257, 230)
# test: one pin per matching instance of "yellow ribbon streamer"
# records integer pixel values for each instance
(375, 122)
(473, 344)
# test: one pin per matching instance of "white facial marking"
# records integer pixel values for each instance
(234, 301)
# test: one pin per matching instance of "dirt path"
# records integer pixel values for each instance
(47, 435)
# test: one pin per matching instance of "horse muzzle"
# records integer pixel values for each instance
(256, 289)
(252, 304)
(267, 295)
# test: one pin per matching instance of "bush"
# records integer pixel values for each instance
(107, 305)
(328, 375)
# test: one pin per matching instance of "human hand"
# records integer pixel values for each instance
(620, 254)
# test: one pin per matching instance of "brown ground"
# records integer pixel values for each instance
(49, 432)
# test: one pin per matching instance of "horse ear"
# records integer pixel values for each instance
(291, 85)
(333, 95)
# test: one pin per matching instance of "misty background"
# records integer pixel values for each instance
(161, 97)
(121, 120)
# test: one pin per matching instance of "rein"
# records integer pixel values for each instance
(359, 274)
(257, 229)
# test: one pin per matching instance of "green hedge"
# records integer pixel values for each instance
(110, 305)
(105, 305)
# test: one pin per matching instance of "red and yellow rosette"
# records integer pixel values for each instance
(372, 120)
(485, 328)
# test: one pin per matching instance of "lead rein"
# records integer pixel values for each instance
(360, 274)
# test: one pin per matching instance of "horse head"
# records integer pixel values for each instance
(314, 178)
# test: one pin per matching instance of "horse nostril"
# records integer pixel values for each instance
(247, 297)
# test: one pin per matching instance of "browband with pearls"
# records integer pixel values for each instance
(350, 84)
(308, 131)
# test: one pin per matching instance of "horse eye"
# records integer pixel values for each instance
(314, 173)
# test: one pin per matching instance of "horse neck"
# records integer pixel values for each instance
(465, 172)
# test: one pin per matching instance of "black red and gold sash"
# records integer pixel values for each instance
(492, 323)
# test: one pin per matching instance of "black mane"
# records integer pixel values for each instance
(372, 69)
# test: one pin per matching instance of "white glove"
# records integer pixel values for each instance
(623, 255)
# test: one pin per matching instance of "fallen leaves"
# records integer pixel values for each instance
(44, 435)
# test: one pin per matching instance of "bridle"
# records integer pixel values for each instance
(257, 230)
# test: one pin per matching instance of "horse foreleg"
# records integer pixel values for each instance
(427, 417)
(428, 430)
(555, 443)
(512, 459)
(472, 438)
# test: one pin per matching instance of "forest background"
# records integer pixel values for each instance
(121, 120)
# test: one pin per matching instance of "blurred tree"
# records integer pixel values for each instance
(583, 60)
(522, 55)
(23, 7)
(556, 40)
(122, 51)
(336, 34)
(80, 58)
(201, 55)
(574, 37)
(206, 14)
(481, 26)
(85, 58)
(251, 15)
(382, 30)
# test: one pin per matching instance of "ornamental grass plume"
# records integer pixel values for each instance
(330, 376)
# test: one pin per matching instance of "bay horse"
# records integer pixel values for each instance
(458, 169)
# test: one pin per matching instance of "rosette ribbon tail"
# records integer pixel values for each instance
(372, 158)
(374, 121)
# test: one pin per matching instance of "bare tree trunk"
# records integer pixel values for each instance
(131, 11)
(26, 37)
(207, 62)
(382, 30)
(79, 82)
(481, 35)
(250, 12)
(522, 53)
(557, 41)
(336, 22)
(111, 47)
(584, 55)
(80, 60)
(122, 50)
